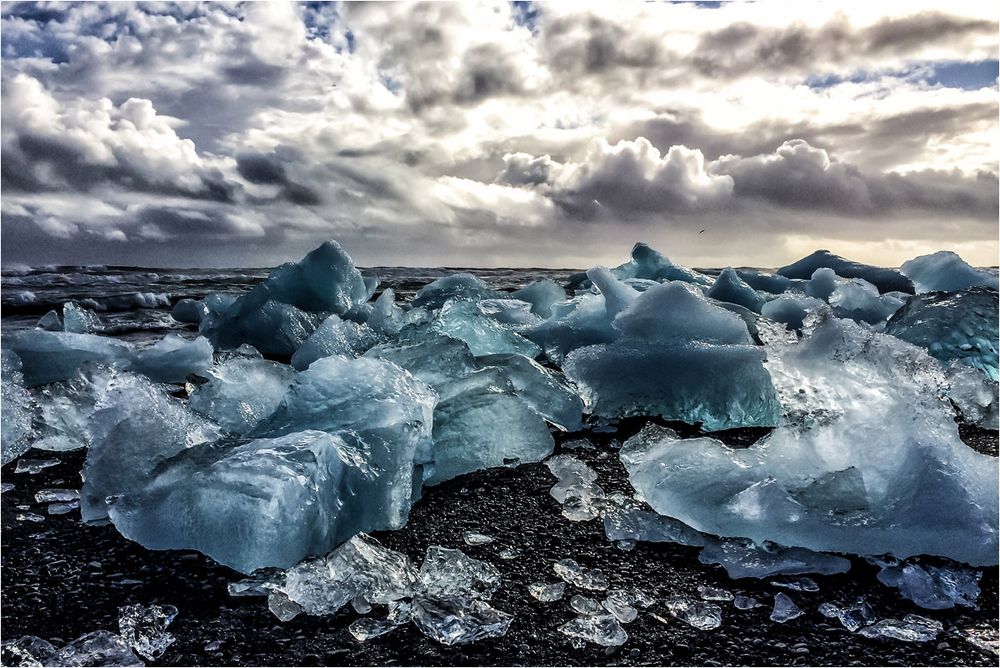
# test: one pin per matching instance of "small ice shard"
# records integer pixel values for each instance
(100, 648)
(241, 392)
(334, 336)
(47, 357)
(784, 609)
(62, 508)
(546, 593)
(912, 628)
(632, 524)
(27, 651)
(80, 320)
(714, 594)
(6, 487)
(791, 309)
(960, 325)
(189, 311)
(144, 628)
(54, 495)
(447, 573)
(365, 628)
(626, 545)
(509, 553)
(585, 605)
(578, 444)
(260, 583)
(50, 322)
(213, 646)
(976, 397)
(573, 573)
(744, 602)
(541, 295)
(544, 390)
(16, 409)
(886, 280)
(934, 587)
(852, 617)
(620, 604)
(29, 517)
(796, 584)
(728, 287)
(173, 358)
(462, 319)
(457, 286)
(476, 538)
(582, 499)
(33, 466)
(604, 630)
(703, 616)
(457, 621)
(282, 607)
(945, 270)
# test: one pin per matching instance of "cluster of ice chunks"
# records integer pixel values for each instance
(960, 325)
(16, 436)
(945, 270)
(445, 598)
(597, 622)
(98, 648)
(677, 355)
(483, 332)
(80, 320)
(815, 482)
(933, 587)
(144, 628)
(886, 280)
(241, 392)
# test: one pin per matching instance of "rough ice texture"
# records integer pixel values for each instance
(934, 587)
(790, 309)
(80, 320)
(886, 280)
(270, 326)
(463, 319)
(541, 295)
(960, 325)
(189, 310)
(581, 321)
(457, 286)
(633, 524)
(742, 559)
(678, 356)
(173, 358)
(912, 628)
(144, 628)
(47, 357)
(50, 322)
(544, 390)
(16, 433)
(945, 270)
(651, 264)
(728, 287)
(241, 392)
(974, 395)
(859, 300)
(816, 481)
(772, 283)
(334, 336)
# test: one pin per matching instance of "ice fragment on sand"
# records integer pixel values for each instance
(886, 280)
(476, 538)
(546, 593)
(581, 497)
(172, 358)
(6, 487)
(576, 575)
(62, 508)
(622, 523)
(784, 609)
(282, 607)
(450, 573)
(960, 325)
(984, 639)
(144, 628)
(945, 270)
(912, 628)
(456, 621)
(703, 616)
(796, 584)
(241, 392)
(365, 628)
(33, 466)
(729, 287)
(100, 648)
(27, 651)
(934, 587)
(852, 617)
(585, 605)
(16, 407)
(604, 630)
(620, 604)
(29, 517)
(53, 495)
(714, 594)
(744, 602)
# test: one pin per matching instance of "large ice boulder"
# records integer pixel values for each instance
(47, 357)
(861, 301)
(241, 392)
(679, 356)
(325, 280)
(648, 263)
(791, 309)
(64, 408)
(961, 325)
(189, 311)
(886, 280)
(272, 327)
(173, 358)
(728, 287)
(457, 286)
(335, 336)
(16, 403)
(544, 390)
(485, 335)
(946, 270)
(541, 295)
(867, 461)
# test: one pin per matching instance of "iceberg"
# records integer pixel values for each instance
(946, 271)
(961, 325)
(464, 320)
(815, 481)
(173, 358)
(17, 432)
(648, 263)
(241, 392)
(47, 357)
(729, 287)
(886, 280)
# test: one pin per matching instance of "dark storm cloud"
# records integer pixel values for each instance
(270, 169)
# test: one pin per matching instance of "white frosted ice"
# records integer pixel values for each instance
(241, 392)
(173, 358)
(334, 336)
(945, 270)
(47, 357)
(17, 432)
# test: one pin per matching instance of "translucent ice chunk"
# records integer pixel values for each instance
(632, 524)
(604, 630)
(144, 628)
(27, 651)
(189, 310)
(282, 607)
(270, 326)
(172, 358)
(581, 497)
(912, 628)
(16, 433)
(50, 322)
(457, 621)
(33, 466)
(651, 264)
(545, 391)
(53, 495)
(619, 603)
(714, 594)
(541, 295)
(100, 648)
(945, 270)
(677, 313)
(334, 337)
(790, 309)
(241, 392)
(784, 609)
(744, 602)
(80, 320)
(448, 573)
(546, 593)
(50, 356)
(476, 538)
(886, 280)
(462, 319)
(852, 617)
(386, 317)
(934, 587)
(974, 395)
(62, 508)
(434, 359)
(703, 616)
(728, 287)
(960, 326)
(513, 313)
(796, 584)
(859, 300)
(457, 286)
(571, 572)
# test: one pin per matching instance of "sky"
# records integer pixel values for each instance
(497, 134)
